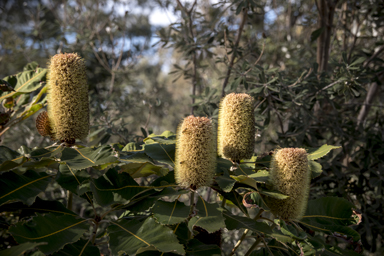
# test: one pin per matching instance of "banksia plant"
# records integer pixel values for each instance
(291, 176)
(195, 163)
(43, 125)
(68, 107)
(236, 137)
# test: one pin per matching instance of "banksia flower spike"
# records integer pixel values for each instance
(236, 139)
(290, 174)
(195, 163)
(43, 125)
(68, 107)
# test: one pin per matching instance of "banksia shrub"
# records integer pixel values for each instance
(68, 106)
(236, 139)
(195, 163)
(291, 176)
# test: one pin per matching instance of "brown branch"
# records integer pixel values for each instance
(240, 31)
(373, 56)
(372, 92)
(194, 59)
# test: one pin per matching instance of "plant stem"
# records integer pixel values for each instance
(192, 203)
(69, 200)
(256, 243)
(94, 233)
(245, 233)
(240, 31)
(192, 207)
(223, 203)
(239, 242)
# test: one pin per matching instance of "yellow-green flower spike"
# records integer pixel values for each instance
(236, 136)
(68, 106)
(195, 163)
(290, 174)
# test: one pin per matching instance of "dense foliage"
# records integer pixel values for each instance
(314, 69)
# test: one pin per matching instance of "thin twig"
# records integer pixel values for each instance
(258, 59)
(234, 51)
(245, 234)
(194, 59)
(301, 79)
(255, 244)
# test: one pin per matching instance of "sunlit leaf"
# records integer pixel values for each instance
(27, 81)
(316, 153)
(129, 236)
(81, 158)
(163, 153)
(316, 169)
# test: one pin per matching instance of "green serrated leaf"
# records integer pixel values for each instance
(252, 179)
(10, 159)
(316, 169)
(22, 187)
(163, 153)
(137, 170)
(236, 222)
(19, 250)
(71, 179)
(114, 187)
(56, 231)
(42, 152)
(131, 146)
(291, 231)
(81, 158)
(24, 82)
(129, 236)
(140, 165)
(225, 182)
(330, 214)
(316, 153)
(148, 199)
(274, 194)
(40, 206)
(209, 217)
(170, 213)
(82, 247)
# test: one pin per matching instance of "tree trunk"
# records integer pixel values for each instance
(326, 9)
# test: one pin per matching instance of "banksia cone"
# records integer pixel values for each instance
(195, 163)
(68, 106)
(291, 176)
(43, 125)
(236, 138)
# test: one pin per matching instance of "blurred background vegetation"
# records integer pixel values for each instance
(315, 69)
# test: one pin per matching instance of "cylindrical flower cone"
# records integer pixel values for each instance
(195, 163)
(290, 174)
(236, 136)
(68, 106)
